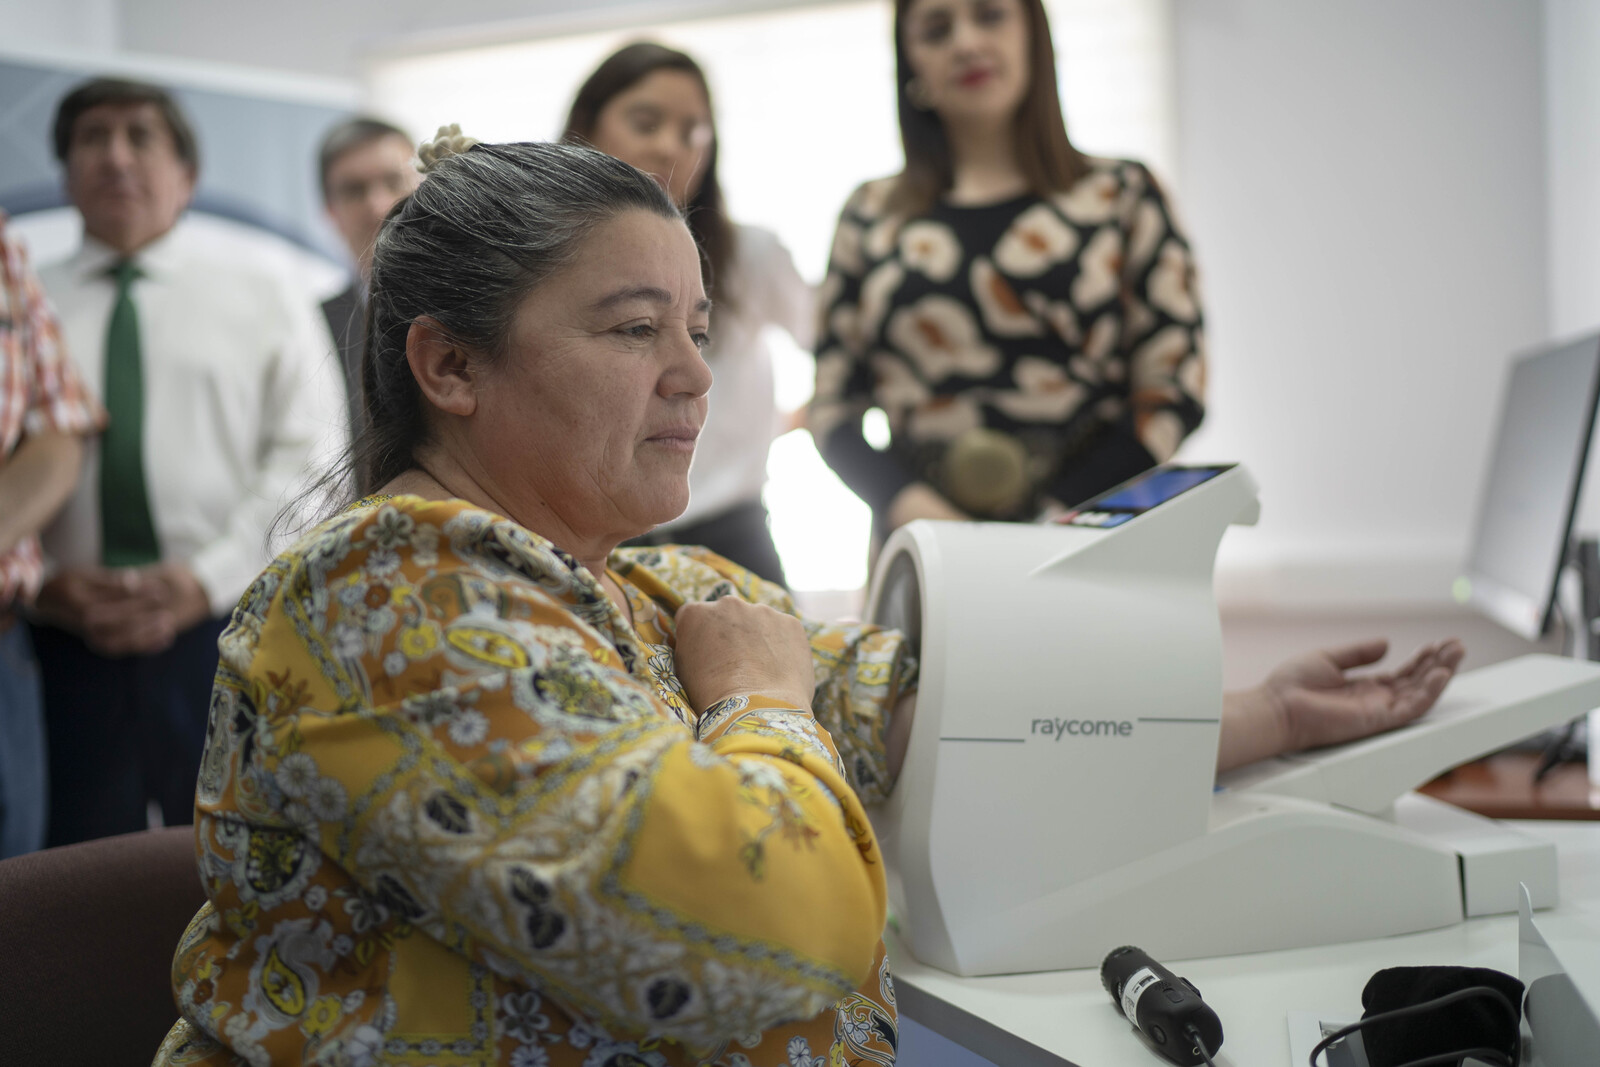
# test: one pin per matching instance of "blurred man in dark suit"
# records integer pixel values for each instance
(367, 165)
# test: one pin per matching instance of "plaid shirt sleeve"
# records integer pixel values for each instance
(42, 389)
(40, 392)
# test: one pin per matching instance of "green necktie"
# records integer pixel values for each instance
(127, 534)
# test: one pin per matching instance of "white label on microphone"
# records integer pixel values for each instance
(1133, 989)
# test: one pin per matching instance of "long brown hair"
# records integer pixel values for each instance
(707, 216)
(1044, 153)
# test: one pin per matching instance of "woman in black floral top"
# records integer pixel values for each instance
(1024, 314)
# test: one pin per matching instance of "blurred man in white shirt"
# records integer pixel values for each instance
(223, 396)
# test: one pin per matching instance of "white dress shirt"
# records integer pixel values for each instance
(243, 402)
(730, 458)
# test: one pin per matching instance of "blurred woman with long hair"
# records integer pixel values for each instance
(1024, 314)
(650, 106)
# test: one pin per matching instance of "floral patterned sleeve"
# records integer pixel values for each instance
(1164, 342)
(440, 763)
(844, 385)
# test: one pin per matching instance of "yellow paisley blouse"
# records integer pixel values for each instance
(454, 810)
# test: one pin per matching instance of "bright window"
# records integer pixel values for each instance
(805, 112)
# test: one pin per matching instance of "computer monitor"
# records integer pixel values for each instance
(1534, 478)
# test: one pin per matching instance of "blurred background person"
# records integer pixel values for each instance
(365, 166)
(1025, 315)
(45, 412)
(650, 106)
(221, 389)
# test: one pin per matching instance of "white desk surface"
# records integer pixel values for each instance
(1065, 1017)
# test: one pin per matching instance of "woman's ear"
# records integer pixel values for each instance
(441, 368)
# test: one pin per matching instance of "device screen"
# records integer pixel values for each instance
(1132, 499)
(1534, 479)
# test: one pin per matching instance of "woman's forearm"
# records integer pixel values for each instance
(897, 737)
(1252, 728)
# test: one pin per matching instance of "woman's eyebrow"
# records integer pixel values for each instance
(649, 293)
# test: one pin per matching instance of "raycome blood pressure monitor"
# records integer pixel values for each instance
(1058, 794)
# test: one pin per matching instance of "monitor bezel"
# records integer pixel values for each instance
(1512, 608)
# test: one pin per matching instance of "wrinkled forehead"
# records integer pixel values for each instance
(665, 88)
(910, 9)
(918, 9)
(386, 150)
(135, 117)
(634, 259)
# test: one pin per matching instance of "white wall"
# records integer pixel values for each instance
(1572, 155)
(1572, 122)
(1365, 184)
(326, 37)
(334, 36)
(93, 25)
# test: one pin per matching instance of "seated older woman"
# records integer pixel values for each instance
(481, 789)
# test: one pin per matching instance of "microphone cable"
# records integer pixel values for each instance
(1200, 1044)
(1487, 1055)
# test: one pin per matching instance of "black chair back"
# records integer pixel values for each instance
(87, 934)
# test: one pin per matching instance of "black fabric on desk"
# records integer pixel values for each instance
(1476, 1022)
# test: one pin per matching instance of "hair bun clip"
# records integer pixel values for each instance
(449, 141)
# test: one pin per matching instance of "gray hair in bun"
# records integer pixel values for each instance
(489, 224)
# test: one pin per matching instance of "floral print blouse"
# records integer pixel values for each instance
(1069, 324)
(455, 810)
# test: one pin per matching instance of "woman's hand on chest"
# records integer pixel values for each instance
(730, 647)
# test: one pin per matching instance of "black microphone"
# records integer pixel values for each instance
(1164, 1008)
